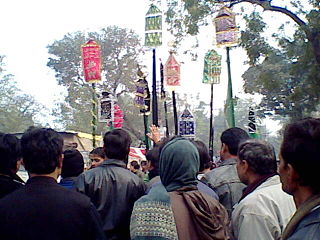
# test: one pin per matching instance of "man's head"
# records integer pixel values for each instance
(144, 166)
(97, 156)
(205, 160)
(256, 158)
(41, 150)
(73, 164)
(300, 156)
(230, 140)
(117, 144)
(10, 154)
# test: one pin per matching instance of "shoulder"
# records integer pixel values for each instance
(309, 227)
(222, 175)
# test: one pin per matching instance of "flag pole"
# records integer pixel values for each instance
(230, 103)
(154, 90)
(94, 115)
(211, 132)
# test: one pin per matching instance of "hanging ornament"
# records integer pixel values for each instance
(186, 124)
(91, 61)
(226, 28)
(172, 71)
(153, 27)
(106, 108)
(142, 95)
(212, 67)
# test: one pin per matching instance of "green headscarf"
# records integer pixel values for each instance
(179, 164)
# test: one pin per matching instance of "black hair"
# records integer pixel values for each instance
(117, 144)
(205, 159)
(99, 151)
(73, 163)
(41, 150)
(10, 153)
(301, 149)
(232, 137)
(259, 155)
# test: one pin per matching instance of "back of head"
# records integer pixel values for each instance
(205, 159)
(10, 153)
(301, 149)
(232, 137)
(99, 151)
(73, 164)
(117, 144)
(259, 155)
(153, 156)
(41, 150)
(179, 164)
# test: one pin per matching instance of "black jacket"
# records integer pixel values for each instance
(113, 189)
(9, 183)
(44, 210)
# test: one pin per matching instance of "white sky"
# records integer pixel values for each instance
(27, 27)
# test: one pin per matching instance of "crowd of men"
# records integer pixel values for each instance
(249, 196)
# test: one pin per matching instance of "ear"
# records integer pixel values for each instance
(244, 165)
(224, 148)
(60, 161)
(291, 173)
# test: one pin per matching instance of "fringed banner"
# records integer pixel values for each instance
(91, 61)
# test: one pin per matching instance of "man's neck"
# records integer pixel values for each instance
(54, 174)
(227, 156)
(301, 195)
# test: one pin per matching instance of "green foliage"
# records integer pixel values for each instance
(17, 109)
(285, 70)
(120, 49)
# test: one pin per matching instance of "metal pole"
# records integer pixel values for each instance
(145, 121)
(211, 124)
(230, 104)
(154, 91)
(175, 115)
(94, 115)
(163, 97)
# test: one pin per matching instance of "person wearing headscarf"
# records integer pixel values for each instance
(175, 209)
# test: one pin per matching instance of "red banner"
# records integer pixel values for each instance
(91, 61)
(172, 72)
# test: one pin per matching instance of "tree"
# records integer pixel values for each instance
(287, 75)
(120, 50)
(17, 109)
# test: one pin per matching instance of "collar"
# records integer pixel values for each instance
(42, 179)
(115, 162)
(229, 161)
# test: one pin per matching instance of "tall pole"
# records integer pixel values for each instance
(175, 115)
(230, 104)
(94, 115)
(163, 96)
(145, 121)
(154, 91)
(211, 124)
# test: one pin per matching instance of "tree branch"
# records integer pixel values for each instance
(266, 5)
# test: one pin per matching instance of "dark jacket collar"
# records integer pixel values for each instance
(116, 162)
(42, 179)
(229, 161)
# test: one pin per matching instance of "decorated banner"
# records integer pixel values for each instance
(91, 61)
(106, 108)
(212, 67)
(226, 28)
(186, 124)
(142, 95)
(153, 27)
(252, 129)
(172, 71)
(118, 117)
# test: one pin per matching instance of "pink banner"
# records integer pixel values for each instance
(91, 61)
(172, 72)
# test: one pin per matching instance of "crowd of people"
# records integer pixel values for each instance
(176, 193)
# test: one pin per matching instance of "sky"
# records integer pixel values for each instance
(27, 27)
